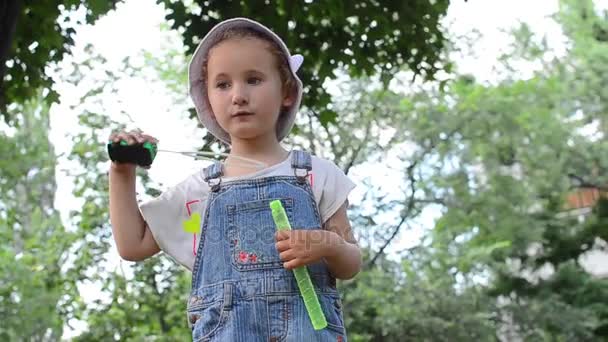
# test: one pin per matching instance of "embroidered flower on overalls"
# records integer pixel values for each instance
(253, 257)
(243, 256)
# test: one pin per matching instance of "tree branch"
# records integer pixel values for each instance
(334, 148)
(357, 150)
(310, 135)
(411, 201)
(410, 206)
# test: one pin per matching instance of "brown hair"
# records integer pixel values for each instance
(289, 82)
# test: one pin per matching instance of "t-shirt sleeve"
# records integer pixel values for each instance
(334, 190)
(166, 214)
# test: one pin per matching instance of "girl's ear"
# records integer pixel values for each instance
(289, 98)
(288, 101)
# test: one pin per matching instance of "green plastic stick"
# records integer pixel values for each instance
(307, 290)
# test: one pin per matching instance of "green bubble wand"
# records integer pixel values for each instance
(307, 290)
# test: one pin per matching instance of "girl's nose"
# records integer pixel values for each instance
(239, 97)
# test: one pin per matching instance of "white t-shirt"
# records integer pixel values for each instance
(166, 214)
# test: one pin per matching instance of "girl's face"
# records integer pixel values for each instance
(244, 88)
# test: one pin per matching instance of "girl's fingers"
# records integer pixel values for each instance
(287, 255)
(121, 136)
(137, 136)
(149, 138)
(117, 136)
(282, 245)
(290, 265)
(132, 137)
(282, 235)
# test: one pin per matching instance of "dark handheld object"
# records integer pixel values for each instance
(140, 154)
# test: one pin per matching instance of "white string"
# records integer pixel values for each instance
(211, 156)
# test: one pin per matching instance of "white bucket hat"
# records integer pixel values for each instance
(198, 88)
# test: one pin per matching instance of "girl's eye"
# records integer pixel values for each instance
(222, 85)
(254, 80)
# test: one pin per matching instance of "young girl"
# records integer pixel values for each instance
(218, 222)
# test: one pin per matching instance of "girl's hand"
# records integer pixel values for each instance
(132, 137)
(302, 247)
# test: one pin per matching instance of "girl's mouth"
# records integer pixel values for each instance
(237, 114)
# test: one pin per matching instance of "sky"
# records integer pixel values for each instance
(117, 36)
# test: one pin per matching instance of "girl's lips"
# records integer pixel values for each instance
(241, 114)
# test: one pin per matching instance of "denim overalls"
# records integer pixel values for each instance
(240, 290)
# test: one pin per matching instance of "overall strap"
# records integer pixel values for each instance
(213, 175)
(301, 164)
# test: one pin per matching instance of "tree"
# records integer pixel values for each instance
(497, 162)
(576, 296)
(366, 38)
(409, 34)
(25, 52)
(416, 299)
(31, 259)
(503, 159)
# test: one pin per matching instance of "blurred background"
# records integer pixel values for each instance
(475, 131)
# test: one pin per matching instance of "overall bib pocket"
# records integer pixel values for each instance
(251, 234)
